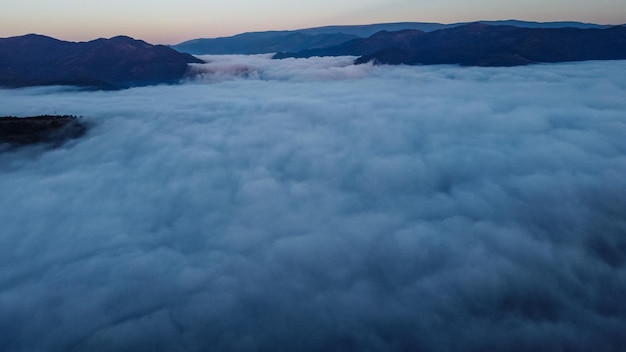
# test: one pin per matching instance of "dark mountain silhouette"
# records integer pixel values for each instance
(363, 46)
(367, 30)
(480, 44)
(484, 45)
(118, 62)
(532, 24)
(320, 37)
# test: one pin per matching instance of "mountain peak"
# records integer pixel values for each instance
(126, 39)
(105, 63)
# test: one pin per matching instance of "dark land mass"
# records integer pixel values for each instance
(479, 44)
(320, 37)
(53, 130)
(119, 62)
(483, 45)
(407, 38)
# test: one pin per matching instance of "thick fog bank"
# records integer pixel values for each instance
(312, 205)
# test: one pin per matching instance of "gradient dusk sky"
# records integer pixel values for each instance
(172, 22)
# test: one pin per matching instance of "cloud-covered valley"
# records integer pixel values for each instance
(314, 205)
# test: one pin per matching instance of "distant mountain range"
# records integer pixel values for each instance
(480, 44)
(484, 45)
(262, 43)
(119, 62)
(321, 37)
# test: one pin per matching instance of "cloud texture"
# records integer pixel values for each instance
(312, 205)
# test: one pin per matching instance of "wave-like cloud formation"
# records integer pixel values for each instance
(323, 207)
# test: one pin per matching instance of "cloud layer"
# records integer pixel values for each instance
(314, 205)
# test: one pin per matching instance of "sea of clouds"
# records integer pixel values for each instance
(313, 205)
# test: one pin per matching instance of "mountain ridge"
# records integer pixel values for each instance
(239, 44)
(261, 43)
(117, 62)
(480, 44)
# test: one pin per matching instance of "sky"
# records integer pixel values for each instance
(315, 205)
(170, 22)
